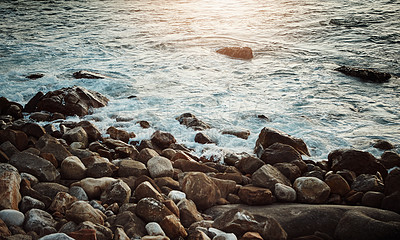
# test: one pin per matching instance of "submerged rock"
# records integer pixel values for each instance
(365, 74)
(190, 120)
(237, 52)
(87, 74)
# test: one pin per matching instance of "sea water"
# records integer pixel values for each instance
(160, 60)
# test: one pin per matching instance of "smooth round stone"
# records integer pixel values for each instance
(12, 217)
(79, 193)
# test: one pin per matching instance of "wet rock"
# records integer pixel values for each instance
(9, 186)
(62, 202)
(173, 227)
(279, 153)
(79, 193)
(382, 144)
(162, 139)
(267, 176)
(391, 202)
(145, 190)
(191, 121)
(311, 190)
(269, 136)
(392, 182)
(201, 189)
(160, 167)
(237, 52)
(73, 168)
(152, 210)
(285, 193)
(18, 138)
(358, 161)
(10, 108)
(337, 184)
(94, 186)
(372, 199)
(40, 116)
(252, 195)
(365, 74)
(70, 101)
(49, 144)
(390, 159)
(119, 134)
(168, 153)
(37, 220)
(81, 211)
(290, 170)
(244, 134)
(203, 138)
(188, 212)
(122, 149)
(49, 189)
(12, 217)
(368, 182)
(131, 168)
(249, 164)
(133, 226)
(77, 134)
(88, 75)
(35, 76)
(352, 226)
(27, 203)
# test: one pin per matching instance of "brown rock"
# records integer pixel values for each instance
(190, 120)
(146, 154)
(128, 167)
(81, 211)
(73, 168)
(49, 157)
(251, 236)
(311, 190)
(4, 231)
(84, 234)
(392, 182)
(49, 144)
(390, 159)
(203, 138)
(117, 192)
(119, 134)
(71, 101)
(391, 202)
(94, 186)
(354, 160)
(18, 138)
(87, 74)
(237, 177)
(77, 134)
(252, 195)
(152, 210)
(269, 136)
(62, 202)
(9, 186)
(102, 232)
(33, 129)
(162, 139)
(92, 131)
(168, 153)
(168, 182)
(49, 189)
(3, 157)
(354, 197)
(188, 212)
(383, 145)
(290, 170)
(120, 234)
(372, 199)
(249, 164)
(267, 176)
(98, 167)
(201, 189)
(146, 190)
(192, 166)
(244, 134)
(173, 227)
(225, 186)
(337, 184)
(133, 226)
(279, 153)
(368, 182)
(237, 52)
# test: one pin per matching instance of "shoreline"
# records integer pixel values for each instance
(58, 174)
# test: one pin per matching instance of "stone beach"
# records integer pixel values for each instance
(65, 180)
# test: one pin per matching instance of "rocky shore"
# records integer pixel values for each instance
(65, 180)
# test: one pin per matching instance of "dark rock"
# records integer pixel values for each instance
(117, 192)
(252, 195)
(98, 167)
(279, 153)
(382, 144)
(40, 116)
(192, 166)
(83, 234)
(249, 164)
(4, 231)
(18, 138)
(392, 182)
(88, 75)
(27, 203)
(49, 144)
(119, 134)
(372, 199)
(392, 202)
(162, 139)
(358, 161)
(365, 74)
(348, 175)
(33, 129)
(144, 124)
(190, 120)
(35, 165)
(61, 202)
(152, 210)
(70, 101)
(92, 131)
(50, 189)
(35, 76)
(244, 134)
(133, 226)
(203, 138)
(37, 220)
(368, 182)
(290, 170)
(269, 136)
(390, 159)
(201, 189)
(237, 52)
(311, 190)
(337, 184)
(354, 197)
(353, 226)
(102, 232)
(9, 186)
(267, 176)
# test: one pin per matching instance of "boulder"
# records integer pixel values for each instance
(62, 202)
(225, 186)
(77, 134)
(49, 189)
(267, 176)
(252, 195)
(249, 164)
(93, 133)
(145, 190)
(160, 167)
(102, 232)
(37, 220)
(290, 170)
(392, 182)
(78, 192)
(12, 217)
(98, 167)
(360, 226)
(269, 136)
(237, 52)
(368, 182)
(81, 211)
(133, 226)
(162, 139)
(152, 210)
(311, 190)
(365, 74)
(173, 227)
(88, 75)
(285, 193)
(354, 160)
(201, 189)
(94, 186)
(390, 159)
(167, 182)
(391, 202)
(176, 196)
(35, 76)
(33, 129)
(117, 192)
(192, 166)
(18, 138)
(146, 154)
(372, 199)
(337, 184)
(191, 121)
(119, 134)
(73, 168)
(128, 167)
(382, 144)
(188, 212)
(9, 186)
(70, 101)
(49, 144)
(279, 153)
(202, 138)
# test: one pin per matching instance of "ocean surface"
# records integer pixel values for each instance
(163, 52)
